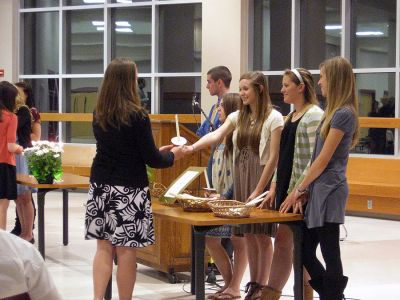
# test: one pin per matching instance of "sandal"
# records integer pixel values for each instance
(258, 292)
(227, 296)
(214, 296)
(254, 291)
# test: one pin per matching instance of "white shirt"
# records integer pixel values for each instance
(273, 121)
(22, 270)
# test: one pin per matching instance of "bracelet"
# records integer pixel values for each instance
(301, 191)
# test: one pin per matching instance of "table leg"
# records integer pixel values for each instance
(199, 244)
(297, 229)
(193, 266)
(65, 217)
(40, 202)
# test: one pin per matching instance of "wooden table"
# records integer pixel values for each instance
(68, 182)
(201, 221)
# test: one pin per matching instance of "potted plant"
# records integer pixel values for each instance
(44, 161)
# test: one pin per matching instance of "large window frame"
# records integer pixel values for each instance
(154, 75)
(295, 61)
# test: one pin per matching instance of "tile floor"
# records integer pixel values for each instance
(370, 253)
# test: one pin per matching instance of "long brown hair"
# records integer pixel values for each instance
(118, 98)
(8, 93)
(230, 104)
(341, 92)
(248, 134)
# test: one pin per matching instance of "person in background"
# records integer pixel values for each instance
(325, 181)
(26, 96)
(256, 131)
(23, 272)
(24, 194)
(222, 176)
(144, 100)
(218, 82)
(296, 147)
(8, 148)
(118, 211)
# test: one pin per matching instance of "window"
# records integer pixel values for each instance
(320, 32)
(271, 35)
(66, 45)
(373, 43)
(363, 31)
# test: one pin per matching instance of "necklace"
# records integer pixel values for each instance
(297, 114)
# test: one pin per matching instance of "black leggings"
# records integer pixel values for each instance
(328, 238)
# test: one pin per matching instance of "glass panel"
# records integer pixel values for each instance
(176, 94)
(81, 97)
(127, 1)
(373, 40)
(83, 2)
(180, 38)
(272, 23)
(84, 41)
(40, 42)
(326, 32)
(39, 3)
(45, 93)
(376, 96)
(131, 35)
(144, 89)
(275, 85)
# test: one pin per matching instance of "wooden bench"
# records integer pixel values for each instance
(374, 185)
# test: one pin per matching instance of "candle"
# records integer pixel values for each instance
(207, 182)
(177, 126)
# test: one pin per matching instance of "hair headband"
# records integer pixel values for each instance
(297, 73)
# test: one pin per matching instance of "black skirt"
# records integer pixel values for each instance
(8, 182)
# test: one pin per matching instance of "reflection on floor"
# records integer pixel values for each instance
(370, 254)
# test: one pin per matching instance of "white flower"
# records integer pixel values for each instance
(39, 153)
(56, 155)
(45, 150)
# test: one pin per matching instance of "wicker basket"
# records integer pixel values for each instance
(190, 203)
(231, 209)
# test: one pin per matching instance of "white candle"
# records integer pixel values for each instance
(207, 182)
(177, 126)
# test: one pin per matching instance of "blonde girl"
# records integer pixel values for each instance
(325, 181)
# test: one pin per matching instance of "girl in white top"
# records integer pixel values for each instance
(257, 129)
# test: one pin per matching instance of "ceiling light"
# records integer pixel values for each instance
(98, 23)
(124, 1)
(369, 33)
(123, 23)
(124, 29)
(93, 1)
(100, 28)
(333, 27)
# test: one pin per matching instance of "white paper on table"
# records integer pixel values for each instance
(180, 184)
(259, 198)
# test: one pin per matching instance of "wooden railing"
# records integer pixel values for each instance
(82, 117)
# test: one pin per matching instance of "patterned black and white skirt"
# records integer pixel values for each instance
(121, 215)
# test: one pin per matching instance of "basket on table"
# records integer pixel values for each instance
(192, 203)
(231, 209)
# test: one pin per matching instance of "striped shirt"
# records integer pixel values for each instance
(304, 145)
